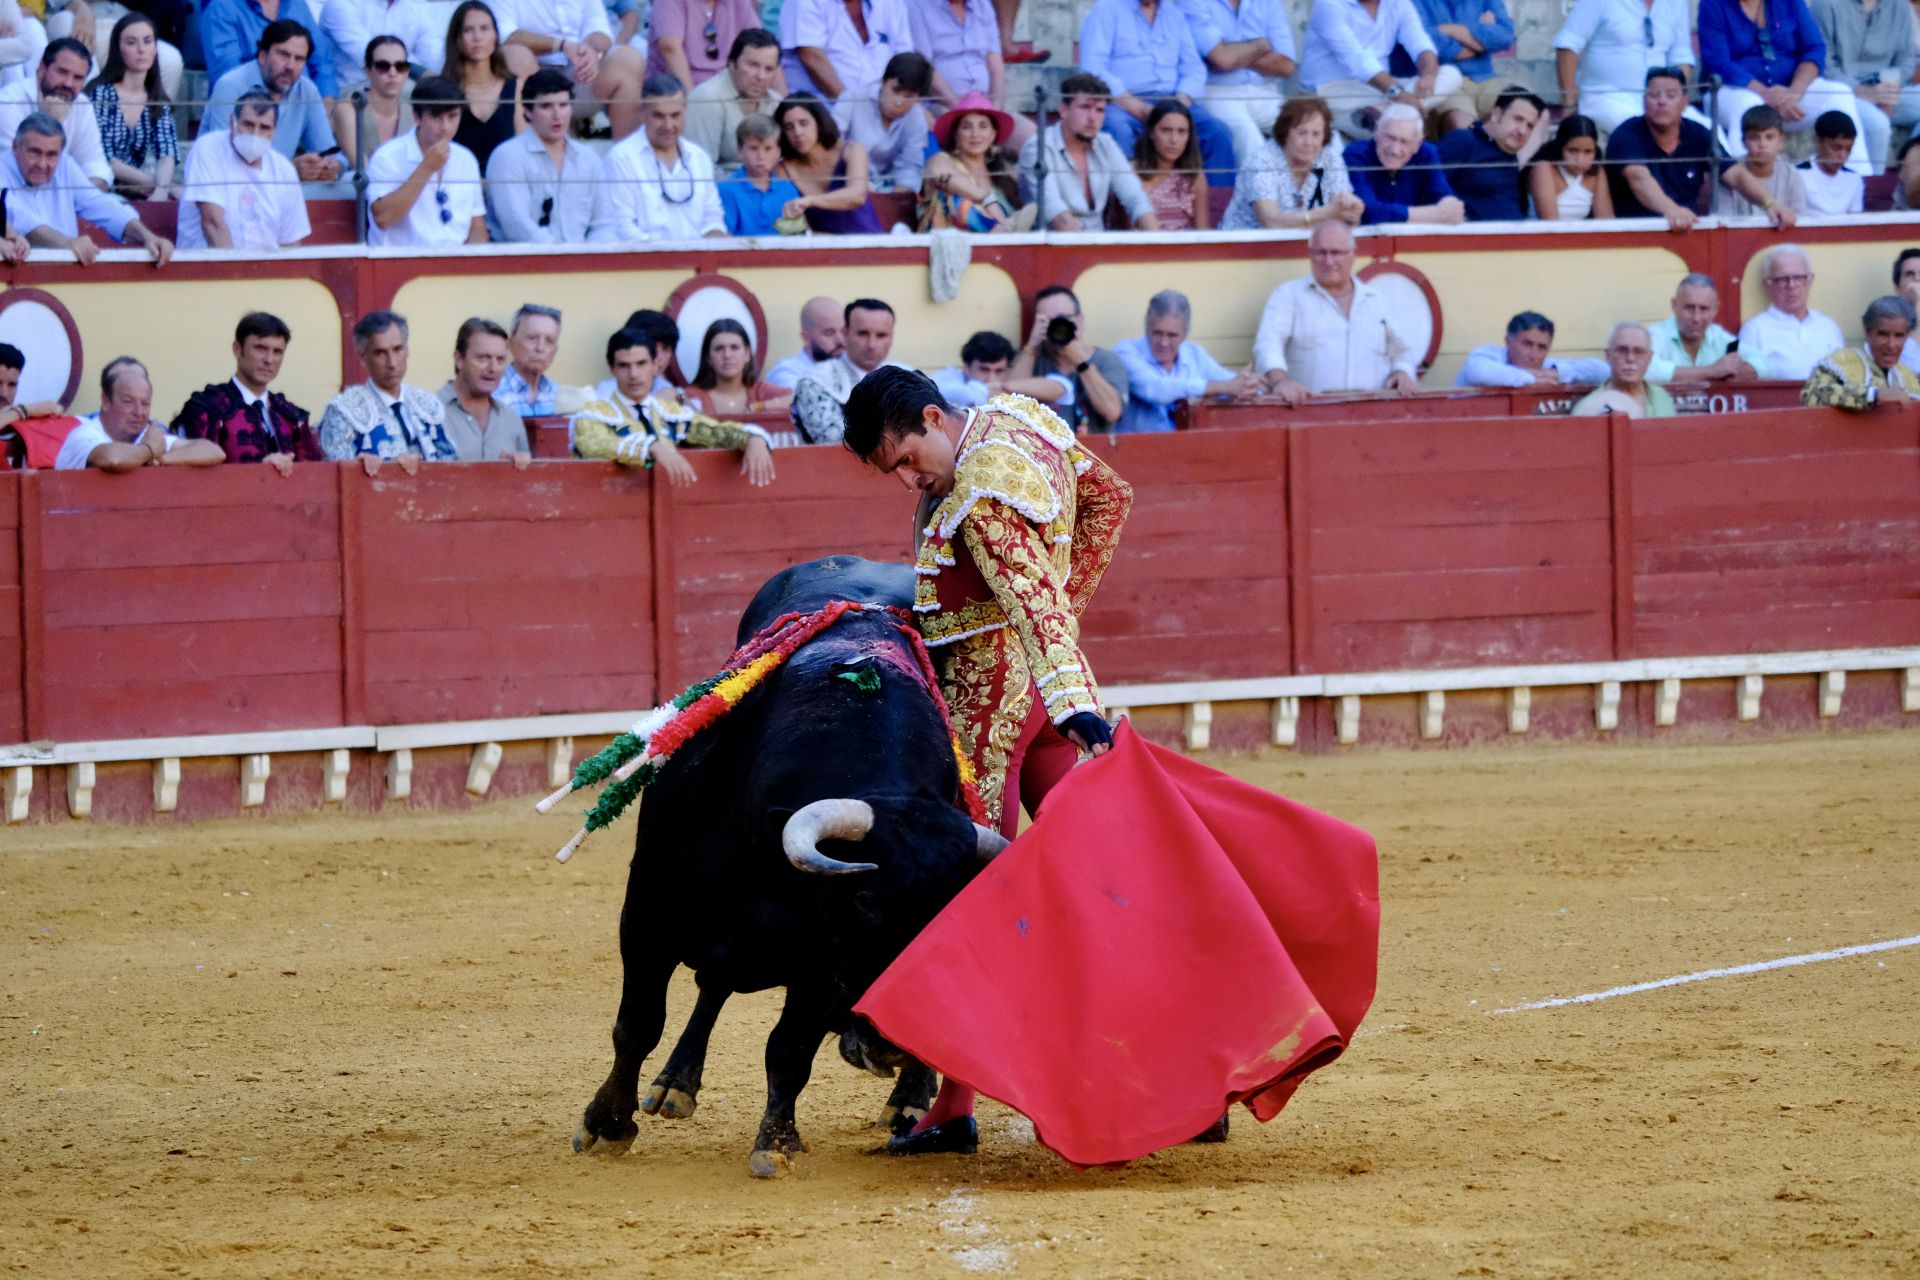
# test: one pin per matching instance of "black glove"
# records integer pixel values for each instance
(1092, 729)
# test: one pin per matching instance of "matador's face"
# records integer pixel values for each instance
(923, 461)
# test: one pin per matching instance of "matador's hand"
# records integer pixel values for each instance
(1088, 732)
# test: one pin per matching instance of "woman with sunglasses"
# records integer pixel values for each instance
(477, 63)
(690, 38)
(136, 121)
(728, 381)
(831, 173)
(382, 109)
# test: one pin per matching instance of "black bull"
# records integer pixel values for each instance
(800, 842)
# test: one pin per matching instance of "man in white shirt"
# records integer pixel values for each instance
(1329, 332)
(1523, 361)
(660, 186)
(820, 401)
(823, 335)
(123, 436)
(1687, 345)
(423, 188)
(240, 193)
(542, 186)
(347, 25)
(55, 89)
(982, 375)
(1163, 368)
(1083, 165)
(1606, 47)
(1345, 54)
(575, 36)
(716, 107)
(1788, 338)
(1248, 48)
(47, 195)
(840, 54)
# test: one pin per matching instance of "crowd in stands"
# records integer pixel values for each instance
(568, 121)
(1327, 333)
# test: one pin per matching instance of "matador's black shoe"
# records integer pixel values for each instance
(1215, 1132)
(959, 1136)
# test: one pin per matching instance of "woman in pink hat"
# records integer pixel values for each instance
(971, 185)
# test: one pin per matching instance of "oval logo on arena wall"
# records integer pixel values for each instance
(704, 299)
(41, 326)
(1413, 303)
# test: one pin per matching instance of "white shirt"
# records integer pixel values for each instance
(87, 437)
(573, 20)
(1778, 346)
(521, 178)
(824, 24)
(1842, 192)
(648, 199)
(1304, 334)
(262, 202)
(458, 182)
(22, 98)
(347, 25)
(787, 373)
(1611, 38)
(1343, 43)
(1488, 366)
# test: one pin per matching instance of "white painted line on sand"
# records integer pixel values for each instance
(1739, 970)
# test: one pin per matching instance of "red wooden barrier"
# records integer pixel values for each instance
(1215, 414)
(13, 705)
(1775, 531)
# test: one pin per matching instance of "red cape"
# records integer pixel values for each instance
(1164, 941)
(42, 438)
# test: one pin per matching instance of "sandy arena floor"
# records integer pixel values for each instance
(356, 1046)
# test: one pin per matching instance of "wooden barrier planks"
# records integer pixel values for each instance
(1787, 529)
(13, 696)
(1458, 543)
(486, 592)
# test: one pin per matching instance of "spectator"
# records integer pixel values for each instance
(1871, 48)
(982, 374)
(892, 127)
(132, 113)
(423, 188)
(1397, 176)
(480, 425)
(838, 51)
(349, 27)
(23, 42)
(1567, 179)
(243, 415)
(13, 363)
(1168, 163)
(542, 186)
(384, 418)
(637, 427)
(1328, 332)
(384, 103)
(1345, 58)
(1299, 177)
(1163, 368)
(1861, 377)
(1082, 166)
(665, 335)
(971, 184)
(1247, 46)
(754, 200)
(123, 436)
(1465, 34)
(689, 39)
(1057, 345)
(240, 192)
(961, 40)
(232, 32)
(820, 399)
(47, 195)
(659, 187)
(1608, 49)
(728, 379)
(823, 335)
(302, 133)
(1779, 65)
(1659, 164)
(1788, 338)
(532, 344)
(489, 91)
(1524, 360)
(1687, 345)
(1626, 390)
(1486, 163)
(1143, 52)
(1831, 187)
(574, 36)
(1785, 198)
(716, 108)
(831, 174)
(56, 93)
(1906, 282)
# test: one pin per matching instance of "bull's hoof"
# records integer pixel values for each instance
(898, 1120)
(959, 1136)
(768, 1164)
(1215, 1132)
(674, 1104)
(588, 1143)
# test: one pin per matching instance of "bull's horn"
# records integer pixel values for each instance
(987, 842)
(838, 819)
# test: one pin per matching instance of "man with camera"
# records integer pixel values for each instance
(1055, 346)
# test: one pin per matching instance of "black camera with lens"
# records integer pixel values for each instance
(1061, 330)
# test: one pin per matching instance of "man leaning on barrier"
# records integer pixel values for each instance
(1870, 374)
(47, 195)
